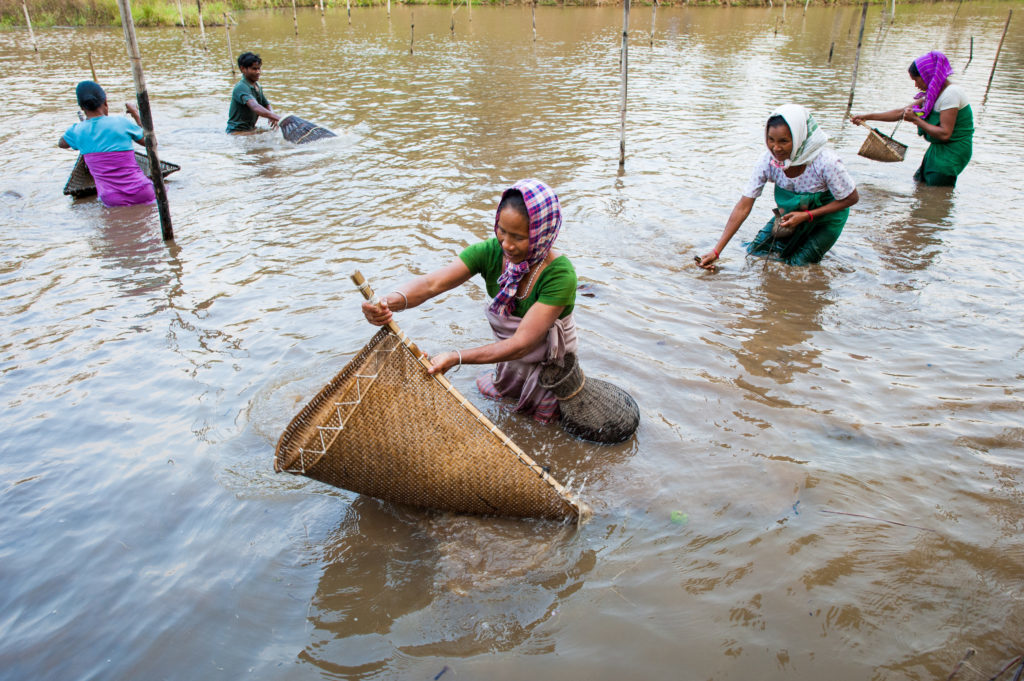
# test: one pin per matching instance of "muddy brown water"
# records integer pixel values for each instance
(827, 479)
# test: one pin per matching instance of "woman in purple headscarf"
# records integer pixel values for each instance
(942, 115)
(533, 289)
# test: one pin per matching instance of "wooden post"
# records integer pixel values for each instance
(92, 68)
(389, 9)
(953, 20)
(856, 61)
(452, 3)
(28, 22)
(348, 9)
(806, 2)
(624, 71)
(830, 49)
(998, 50)
(533, 17)
(181, 15)
(147, 118)
(295, 18)
(202, 27)
(469, 9)
(322, 7)
(654, 16)
(970, 56)
(231, 54)
(412, 28)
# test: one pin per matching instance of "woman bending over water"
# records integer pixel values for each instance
(534, 291)
(812, 190)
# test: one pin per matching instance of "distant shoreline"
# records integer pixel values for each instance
(99, 13)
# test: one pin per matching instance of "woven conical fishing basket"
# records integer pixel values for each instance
(299, 131)
(81, 183)
(592, 409)
(386, 428)
(880, 147)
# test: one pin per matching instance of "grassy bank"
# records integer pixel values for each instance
(45, 13)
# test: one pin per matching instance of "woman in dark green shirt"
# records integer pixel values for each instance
(534, 292)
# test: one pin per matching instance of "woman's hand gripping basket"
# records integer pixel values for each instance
(386, 428)
(881, 147)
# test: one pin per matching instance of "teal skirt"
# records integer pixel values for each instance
(811, 240)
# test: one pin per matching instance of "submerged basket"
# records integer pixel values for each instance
(299, 131)
(592, 409)
(881, 147)
(81, 183)
(386, 428)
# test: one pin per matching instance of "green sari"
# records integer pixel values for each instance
(811, 240)
(945, 160)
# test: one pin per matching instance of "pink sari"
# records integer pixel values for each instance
(119, 179)
(518, 379)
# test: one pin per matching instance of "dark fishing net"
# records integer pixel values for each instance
(299, 131)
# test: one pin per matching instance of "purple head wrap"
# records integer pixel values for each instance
(934, 69)
(545, 221)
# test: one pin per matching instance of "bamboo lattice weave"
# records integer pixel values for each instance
(385, 428)
(81, 183)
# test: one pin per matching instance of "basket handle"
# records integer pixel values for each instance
(364, 287)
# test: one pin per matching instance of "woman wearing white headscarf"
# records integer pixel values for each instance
(812, 190)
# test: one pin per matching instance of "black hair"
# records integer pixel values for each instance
(90, 95)
(776, 121)
(513, 199)
(247, 59)
(913, 70)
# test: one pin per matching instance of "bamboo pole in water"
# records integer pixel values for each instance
(295, 17)
(806, 2)
(654, 16)
(856, 61)
(389, 9)
(998, 50)
(92, 68)
(227, 35)
(28, 22)
(142, 96)
(970, 56)
(830, 49)
(181, 15)
(624, 69)
(348, 10)
(469, 9)
(322, 7)
(412, 28)
(452, 3)
(202, 27)
(533, 16)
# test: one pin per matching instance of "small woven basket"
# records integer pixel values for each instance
(881, 147)
(81, 183)
(592, 409)
(299, 131)
(386, 428)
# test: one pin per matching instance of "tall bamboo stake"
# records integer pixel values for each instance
(806, 2)
(953, 20)
(469, 8)
(295, 18)
(830, 49)
(452, 2)
(231, 54)
(533, 16)
(624, 68)
(998, 50)
(181, 15)
(389, 9)
(28, 22)
(128, 23)
(202, 27)
(970, 56)
(654, 16)
(322, 7)
(92, 68)
(348, 9)
(856, 61)
(412, 28)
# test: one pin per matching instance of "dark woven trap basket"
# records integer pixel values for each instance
(299, 131)
(386, 428)
(81, 183)
(592, 409)
(881, 147)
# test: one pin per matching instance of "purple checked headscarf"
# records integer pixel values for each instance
(934, 69)
(545, 221)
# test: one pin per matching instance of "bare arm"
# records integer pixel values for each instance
(417, 291)
(535, 326)
(739, 213)
(63, 143)
(941, 132)
(263, 111)
(884, 116)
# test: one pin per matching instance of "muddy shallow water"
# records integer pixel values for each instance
(827, 480)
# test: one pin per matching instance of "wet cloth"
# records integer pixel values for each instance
(934, 68)
(240, 117)
(555, 285)
(944, 161)
(106, 142)
(808, 138)
(811, 240)
(545, 221)
(519, 379)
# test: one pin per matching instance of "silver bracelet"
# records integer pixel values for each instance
(459, 365)
(406, 304)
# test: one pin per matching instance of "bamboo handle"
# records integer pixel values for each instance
(364, 287)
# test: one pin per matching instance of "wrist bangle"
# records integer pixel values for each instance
(715, 251)
(810, 216)
(459, 365)
(405, 305)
